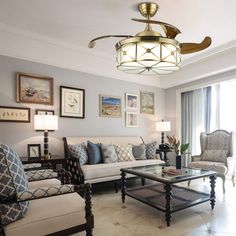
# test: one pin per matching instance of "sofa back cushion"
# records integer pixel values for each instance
(12, 181)
(108, 153)
(124, 152)
(79, 151)
(139, 152)
(94, 153)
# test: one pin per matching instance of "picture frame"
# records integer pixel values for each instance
(14, 114)
(131, 101)
(34, 151)
(110, 106)
(147, 103)
(34, 89)
(44, 112)
(72, 102)
(131, 119)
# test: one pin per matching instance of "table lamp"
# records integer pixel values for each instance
(162, 126)
(46, 122)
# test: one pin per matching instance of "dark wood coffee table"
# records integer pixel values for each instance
(165, 195)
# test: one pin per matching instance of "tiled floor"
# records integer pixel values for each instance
(134, 218)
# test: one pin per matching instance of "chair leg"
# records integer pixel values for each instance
(143, 181)
(89, 232)
(233, 180)
(223, 183)
(189, 182)
(116, 186)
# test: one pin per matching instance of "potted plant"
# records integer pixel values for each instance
(179, 149)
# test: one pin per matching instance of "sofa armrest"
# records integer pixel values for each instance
(196, 158)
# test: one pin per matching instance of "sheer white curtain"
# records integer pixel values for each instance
(200, 113)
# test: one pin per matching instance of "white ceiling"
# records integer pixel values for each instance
(70, 24)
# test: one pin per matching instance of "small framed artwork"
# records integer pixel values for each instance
(14, 114)
(109, 106)
(147, 102)
(34, 151)
(34, 89)
(72, 102)
(131, 101)
(131, 119)
(44, 112)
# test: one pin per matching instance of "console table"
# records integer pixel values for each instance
(53, 162)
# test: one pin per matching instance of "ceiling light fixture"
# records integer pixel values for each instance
(148, 52)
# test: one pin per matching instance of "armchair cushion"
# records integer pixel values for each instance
(12, 181)
(209, 165)
(32, 166)
(46, 191)
(214, 155)
(41, 174)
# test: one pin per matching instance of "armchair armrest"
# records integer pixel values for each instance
(196, 158)
(41, 174)
(73, 166)
(43, 192)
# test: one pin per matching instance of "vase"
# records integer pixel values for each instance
(178, 162)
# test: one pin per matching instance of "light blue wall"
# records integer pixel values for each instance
(21, 134)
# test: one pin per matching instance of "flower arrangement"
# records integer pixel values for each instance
(175, 144)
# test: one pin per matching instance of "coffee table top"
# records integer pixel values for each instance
(163, 173)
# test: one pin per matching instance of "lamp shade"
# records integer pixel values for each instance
(45, 122)
(163, 126)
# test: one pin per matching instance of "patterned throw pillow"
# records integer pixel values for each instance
(79, 151)
(12, 181)
(151, 150)
(124, 153)
(214, 155)
(108, 153)
(139, 152)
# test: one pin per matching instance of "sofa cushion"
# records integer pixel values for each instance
(108, 153)
(214, 155)
(151, 150)
(92, 172)
(139, 152)
(79, 151)
(12, 181)
(49, 215)
(124, 152)
(94, 153)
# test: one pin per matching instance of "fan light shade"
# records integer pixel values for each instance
(139, 56)
(163, 126)
(45, 122)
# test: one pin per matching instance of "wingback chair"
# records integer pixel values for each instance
(216, 154)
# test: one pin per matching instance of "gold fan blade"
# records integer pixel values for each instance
(186, 48)
(170, 30)
(92, 42)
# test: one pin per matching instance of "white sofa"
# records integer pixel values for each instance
(102, 172)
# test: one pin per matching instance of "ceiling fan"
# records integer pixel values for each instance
(149, 52)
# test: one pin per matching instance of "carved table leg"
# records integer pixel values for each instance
(123, 185)
(212, 194)
(168, 189)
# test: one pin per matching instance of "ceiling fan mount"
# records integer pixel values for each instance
(148, 9)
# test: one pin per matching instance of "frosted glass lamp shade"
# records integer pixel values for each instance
(163, 126)
(45, 122)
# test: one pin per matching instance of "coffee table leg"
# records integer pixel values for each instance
(212, 194)
(123, 186)
(168, 189)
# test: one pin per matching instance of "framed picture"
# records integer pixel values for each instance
(72, 102)
(34, 151)
(131, 119)
(109, 106)
(131, 101)
(147, 102)
(34, 89)
(44, 112)
(14, 114)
